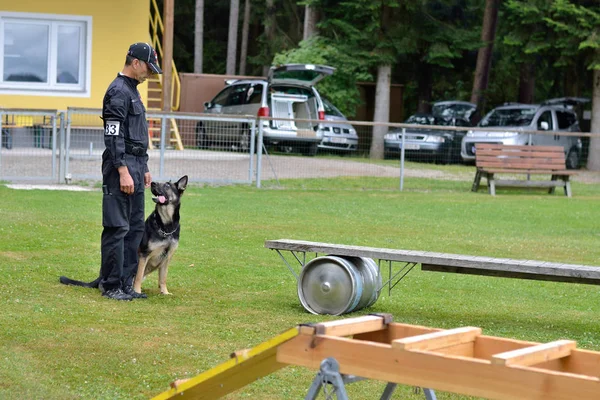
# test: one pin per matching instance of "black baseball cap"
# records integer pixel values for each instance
(145, 52)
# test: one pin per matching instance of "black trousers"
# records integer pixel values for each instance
(123, 222)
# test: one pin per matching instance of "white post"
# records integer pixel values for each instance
(402, 160)
(163, 135)
(259, 152)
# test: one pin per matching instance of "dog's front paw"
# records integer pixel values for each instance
(166, 292)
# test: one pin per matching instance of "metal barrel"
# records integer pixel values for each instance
(338, 285)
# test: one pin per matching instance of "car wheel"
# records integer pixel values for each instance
(450, 156)
(311, 150)
(287, 149)
(573, 159)
(244, 139)
(201, 140)
(443, 158)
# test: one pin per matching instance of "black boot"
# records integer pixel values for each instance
(135, 295)
(117, 294)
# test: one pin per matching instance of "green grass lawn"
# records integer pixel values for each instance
(230, 293)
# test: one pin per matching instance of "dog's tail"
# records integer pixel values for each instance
(66, 281)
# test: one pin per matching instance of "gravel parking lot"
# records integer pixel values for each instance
(35, 165)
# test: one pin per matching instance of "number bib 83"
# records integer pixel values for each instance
(112, 128)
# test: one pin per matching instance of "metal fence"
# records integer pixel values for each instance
(54, 146)
(85, 144)
(30, 144)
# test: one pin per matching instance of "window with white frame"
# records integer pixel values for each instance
(45, 54)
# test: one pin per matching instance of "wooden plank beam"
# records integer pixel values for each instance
(455, 374)
(529, 184)
(541, 275)
(432, 261)
(348, 327)
(530, 171)
(438, 340)
(395, 330)
(536, 354)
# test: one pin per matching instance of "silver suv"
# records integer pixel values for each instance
(288, 92)
(554, 115)
(338, 134)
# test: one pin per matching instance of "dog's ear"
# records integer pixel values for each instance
(182, 183)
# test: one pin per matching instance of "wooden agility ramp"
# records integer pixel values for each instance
(460, 360)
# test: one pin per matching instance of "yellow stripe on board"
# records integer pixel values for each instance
(243, 368)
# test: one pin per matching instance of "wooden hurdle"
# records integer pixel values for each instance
(460, 360)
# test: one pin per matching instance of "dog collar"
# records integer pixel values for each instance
(160, 231)
(165, 234)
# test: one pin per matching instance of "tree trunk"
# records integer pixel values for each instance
(234, 11)
(484, 55)
(382, 110)
(571, 80)
(245, 29)
(424, 88)
(199, 36)
(527, 83)
(593, 163)
(269, 31)
(311, 17)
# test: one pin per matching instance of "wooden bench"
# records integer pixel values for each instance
(492, 159)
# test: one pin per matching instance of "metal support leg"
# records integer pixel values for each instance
(391, 387)
(429, 394)
(333, 383)
(567, 186)
(491, 184)
(476, 181)
(388, 391)
(330, 379)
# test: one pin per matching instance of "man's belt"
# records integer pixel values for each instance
(135, 149)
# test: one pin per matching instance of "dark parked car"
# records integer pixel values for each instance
(428, 143)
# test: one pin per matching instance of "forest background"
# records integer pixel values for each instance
(485, 51)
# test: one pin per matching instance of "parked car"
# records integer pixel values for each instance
(337, 134)
(432, 144)
(462, 110)
(288, 92)
(555, 115)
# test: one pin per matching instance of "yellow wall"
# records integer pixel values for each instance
(115, 25)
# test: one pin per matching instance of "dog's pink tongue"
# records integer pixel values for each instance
(161, 199)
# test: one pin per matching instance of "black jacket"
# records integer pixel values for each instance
(124, 118)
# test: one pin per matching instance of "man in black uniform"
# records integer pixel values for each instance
(125, 173)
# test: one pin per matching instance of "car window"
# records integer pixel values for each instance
(509, 117)
(254, 94)
(461, 122)
(330, 109)
(545, 117)
(291, 90)
(307, 75)
(451, 110)
(565, 119)
(421, 119)
(237, 96)
(221, 98)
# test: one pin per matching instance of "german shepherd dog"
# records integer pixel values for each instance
(161, 236)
